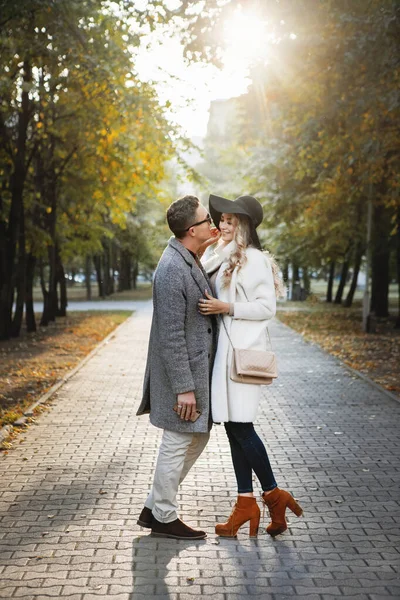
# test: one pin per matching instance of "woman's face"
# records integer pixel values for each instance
(227, 227)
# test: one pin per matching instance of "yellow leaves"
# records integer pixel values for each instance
(350, 171)
(48, 209)
(326, 164)
(331, 188)
(28, 369)
(39, 125)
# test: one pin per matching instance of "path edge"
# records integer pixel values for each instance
(367, 379)
(6, 430)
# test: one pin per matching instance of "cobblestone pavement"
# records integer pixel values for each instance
(71, 491)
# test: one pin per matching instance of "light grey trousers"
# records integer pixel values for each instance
(178, 453)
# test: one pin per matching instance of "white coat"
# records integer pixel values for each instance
(252, 293)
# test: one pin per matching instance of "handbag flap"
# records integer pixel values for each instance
(259, 363)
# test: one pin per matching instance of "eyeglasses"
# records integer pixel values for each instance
(208, 220)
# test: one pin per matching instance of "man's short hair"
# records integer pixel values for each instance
(181, 214)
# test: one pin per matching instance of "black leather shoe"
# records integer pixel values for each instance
(145, 518)
(177, 530)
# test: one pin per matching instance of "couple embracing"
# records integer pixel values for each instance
(187, 386)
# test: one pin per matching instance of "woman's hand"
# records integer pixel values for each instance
(212, 306)
(215, 235)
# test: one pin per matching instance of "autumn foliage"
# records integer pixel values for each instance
(83, 141)
(317, 136)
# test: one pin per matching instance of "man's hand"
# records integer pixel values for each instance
(186, 405)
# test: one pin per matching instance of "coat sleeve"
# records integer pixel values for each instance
(170, 308)
(257, 281)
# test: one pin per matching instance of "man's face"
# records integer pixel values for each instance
(202, 231)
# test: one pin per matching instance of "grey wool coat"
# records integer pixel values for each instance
(182, 342)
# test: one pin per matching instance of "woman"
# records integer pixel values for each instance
(246, 282)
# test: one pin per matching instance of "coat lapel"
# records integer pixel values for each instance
(197, 271)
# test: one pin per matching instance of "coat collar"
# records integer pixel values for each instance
(184, 252)
(198, 274)
(218, 256)
(224, 252)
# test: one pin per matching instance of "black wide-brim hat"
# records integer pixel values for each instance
(243, 205)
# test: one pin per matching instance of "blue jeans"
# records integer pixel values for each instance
(249, 454)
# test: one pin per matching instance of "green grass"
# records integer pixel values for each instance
(77, 293)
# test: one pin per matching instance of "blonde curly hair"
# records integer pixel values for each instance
(243, 238)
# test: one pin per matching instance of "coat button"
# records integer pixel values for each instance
(209, 330)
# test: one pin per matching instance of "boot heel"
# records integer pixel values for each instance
(254, 523)
(295, 507)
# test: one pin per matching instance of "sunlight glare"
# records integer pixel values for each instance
(246, 36)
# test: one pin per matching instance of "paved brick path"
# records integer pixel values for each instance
(72, 490)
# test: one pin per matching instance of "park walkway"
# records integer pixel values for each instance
(71, 491)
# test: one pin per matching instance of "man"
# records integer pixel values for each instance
(179, 361)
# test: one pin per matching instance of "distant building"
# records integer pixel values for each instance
(223, 119)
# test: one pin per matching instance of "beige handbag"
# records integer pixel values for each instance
(253, 366)
(257, 367)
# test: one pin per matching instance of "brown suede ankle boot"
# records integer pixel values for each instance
(277, 501)
(245, 509)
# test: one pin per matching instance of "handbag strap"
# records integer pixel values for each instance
(266, 327)
(226, 331)
(229, 337)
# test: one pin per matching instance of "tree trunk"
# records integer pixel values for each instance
(306, 280)
(100, 282)
(380, 262)
(88, 268)
(20, 279)
(113, 264)
(53, 248)
(135, 273)
(285, 271)
(52, 293)
(29, 279)
(357, 264)
(295, 273)
(125, 271)
(17, 181)
(342, 283)
(398, 267)
(62, 309)
(106, 269)
(44, 321)
(329, 292)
